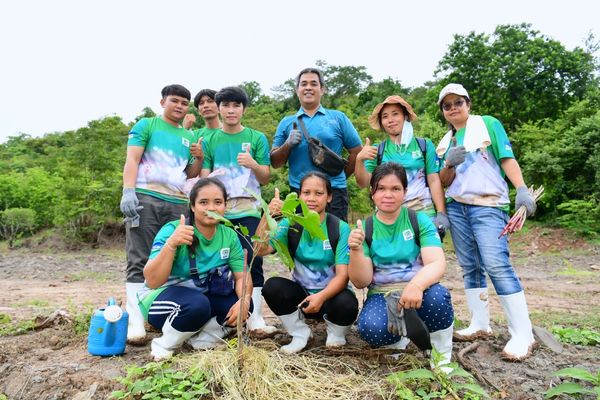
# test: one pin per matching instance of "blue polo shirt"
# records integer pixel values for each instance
(331, 127)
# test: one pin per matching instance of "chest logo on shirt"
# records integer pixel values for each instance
(326, 245)
(416, 154)
(408, 234)
(185, 142)
(245, 147)
(225, 253)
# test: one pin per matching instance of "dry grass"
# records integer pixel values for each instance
(269, 374)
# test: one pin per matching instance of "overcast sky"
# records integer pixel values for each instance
(65, 63)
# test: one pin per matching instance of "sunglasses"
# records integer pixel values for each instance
(448, 106)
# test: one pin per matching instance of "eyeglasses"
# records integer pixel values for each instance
(448, 106)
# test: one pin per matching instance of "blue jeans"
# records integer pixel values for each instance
(436, 312)
(475, 231)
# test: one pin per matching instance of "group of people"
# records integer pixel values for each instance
(185, 269)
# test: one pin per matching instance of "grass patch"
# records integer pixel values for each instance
(8, 327)
(548, 319)
(572, 271)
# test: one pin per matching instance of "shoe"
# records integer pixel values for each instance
(521, 340)
(136, 332)
(336, 334)
(399, 345)
(297, 328)
(477, 301)
(442, 341)
(163, 346)
(256, 323)
(211, 334)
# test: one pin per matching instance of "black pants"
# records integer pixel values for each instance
(257, 266)
(283, 296)
(338, 205)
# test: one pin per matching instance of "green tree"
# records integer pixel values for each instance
(517, 74)
(15, 222)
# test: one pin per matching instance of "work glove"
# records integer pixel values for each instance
(294, 138)
(395, 316)
(130, 203)
(441, 221)
(455, 156)
(524, 198)
(406, 322)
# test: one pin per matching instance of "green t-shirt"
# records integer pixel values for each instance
(220, 156)
(161, 171)
(222, 249)
(395, 255)
(315, 260)
(418, 196)
(479, 180)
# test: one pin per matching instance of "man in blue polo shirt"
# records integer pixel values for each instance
(331, 127)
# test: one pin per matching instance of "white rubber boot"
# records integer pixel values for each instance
(136, 332)
(299, 331)
(163, 346)
(477, 301)
(336, 334)
(519, 326)
(442, 341)
(399, 345)
(256, 322)
(209, 336)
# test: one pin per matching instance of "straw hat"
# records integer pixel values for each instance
(395, 99)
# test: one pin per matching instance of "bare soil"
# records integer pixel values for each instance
(560, 273)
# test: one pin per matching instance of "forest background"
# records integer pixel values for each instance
(547, 97)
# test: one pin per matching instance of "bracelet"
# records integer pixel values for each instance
(170, 247)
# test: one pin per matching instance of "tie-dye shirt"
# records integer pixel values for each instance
(395, 255)
(161, 172)
(220, 156)
(418, 196)
(315, 260)
(479, 179)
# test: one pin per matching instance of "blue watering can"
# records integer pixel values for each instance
(108, 330)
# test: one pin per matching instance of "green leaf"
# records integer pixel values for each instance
(284, 253)
(420, 373)
(566, 388)
(219, 218)
(244, 230)
(576, 373)
(474, 389)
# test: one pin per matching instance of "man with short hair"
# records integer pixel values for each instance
(239, 157)
(331, 127)
(208, 110)
(161, 155)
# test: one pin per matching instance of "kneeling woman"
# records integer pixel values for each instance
(186, 289)
(394, 259)
(319, 285)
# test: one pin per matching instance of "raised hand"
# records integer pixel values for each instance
(196, 149)
(188, 121)
(294, 137)
(245, 159)
(456, 156)
(275, 204)
(357, 236)
(183, 235)
(368, 152)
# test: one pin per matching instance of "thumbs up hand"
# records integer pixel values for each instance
(245, 159)
(276, 204)
(197, 150)
(368, 152)
(183, 235)
(357, 237)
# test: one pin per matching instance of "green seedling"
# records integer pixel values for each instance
(576, 388)
(421, 383)
(585, 337)
(161, 381)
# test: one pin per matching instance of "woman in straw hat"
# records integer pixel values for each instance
(477, 156)
(417, 155)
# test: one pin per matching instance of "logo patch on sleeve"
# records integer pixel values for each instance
(408, 234)
(225, 253)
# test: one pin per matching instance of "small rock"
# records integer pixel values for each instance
(54, 340)
(37, 379)
(595, 267)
